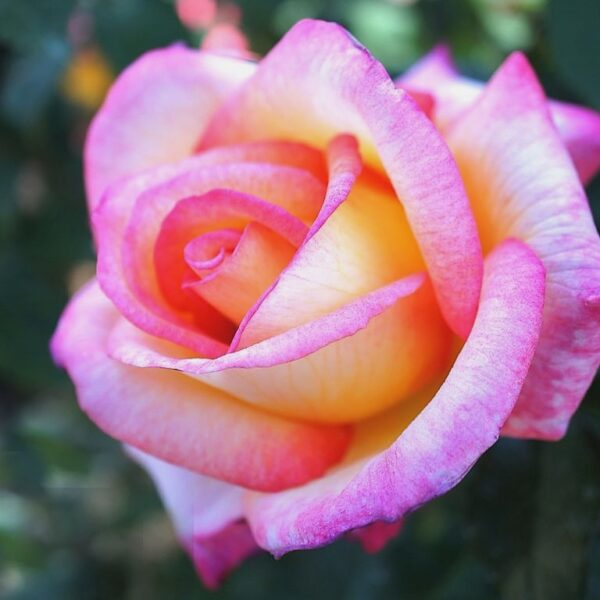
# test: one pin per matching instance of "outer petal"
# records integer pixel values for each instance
(156, 112)
(522, 184)
(579, 127)
(207, 516)
(438, 448)
(181, 420)
(437, 75)
(318, 82)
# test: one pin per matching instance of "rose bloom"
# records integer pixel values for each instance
(321, 294)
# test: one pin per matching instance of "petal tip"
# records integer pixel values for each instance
(516, 74)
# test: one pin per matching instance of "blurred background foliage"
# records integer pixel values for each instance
(77, 519)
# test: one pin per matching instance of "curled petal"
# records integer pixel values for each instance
(522, 184)
(180, 222)
(344, 167)
(364, 244)
(440, 445)
(349, 364)
(180, 420)
(318, 272)
(239, 281)
(209, 250)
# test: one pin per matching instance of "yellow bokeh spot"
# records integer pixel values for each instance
(87, 78)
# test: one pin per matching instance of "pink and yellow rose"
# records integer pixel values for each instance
(321, 295)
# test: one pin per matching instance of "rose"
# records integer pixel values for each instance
(289, 350)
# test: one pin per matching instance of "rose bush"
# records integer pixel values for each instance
(322, 295)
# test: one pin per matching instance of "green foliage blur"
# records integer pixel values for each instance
(80, 521)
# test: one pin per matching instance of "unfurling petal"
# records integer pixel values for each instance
(130, 218)
(237, 283)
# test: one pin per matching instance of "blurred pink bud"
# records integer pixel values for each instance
(196, 14)
(229, 12)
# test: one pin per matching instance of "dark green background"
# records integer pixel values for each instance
(77, 519)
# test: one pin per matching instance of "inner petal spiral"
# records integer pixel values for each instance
(245, 265)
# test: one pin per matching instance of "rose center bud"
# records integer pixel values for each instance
(231, 268)
(217, 252)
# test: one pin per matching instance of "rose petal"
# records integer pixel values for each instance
(156, 112)
(206, 514)
(215, 556)
(110, 221)
(438, 448)
(437, 75)
(129, 220)
(523, 185)
(342, 367)
(424, 100)
(318, 82)
(579, 127)
(180, 420)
